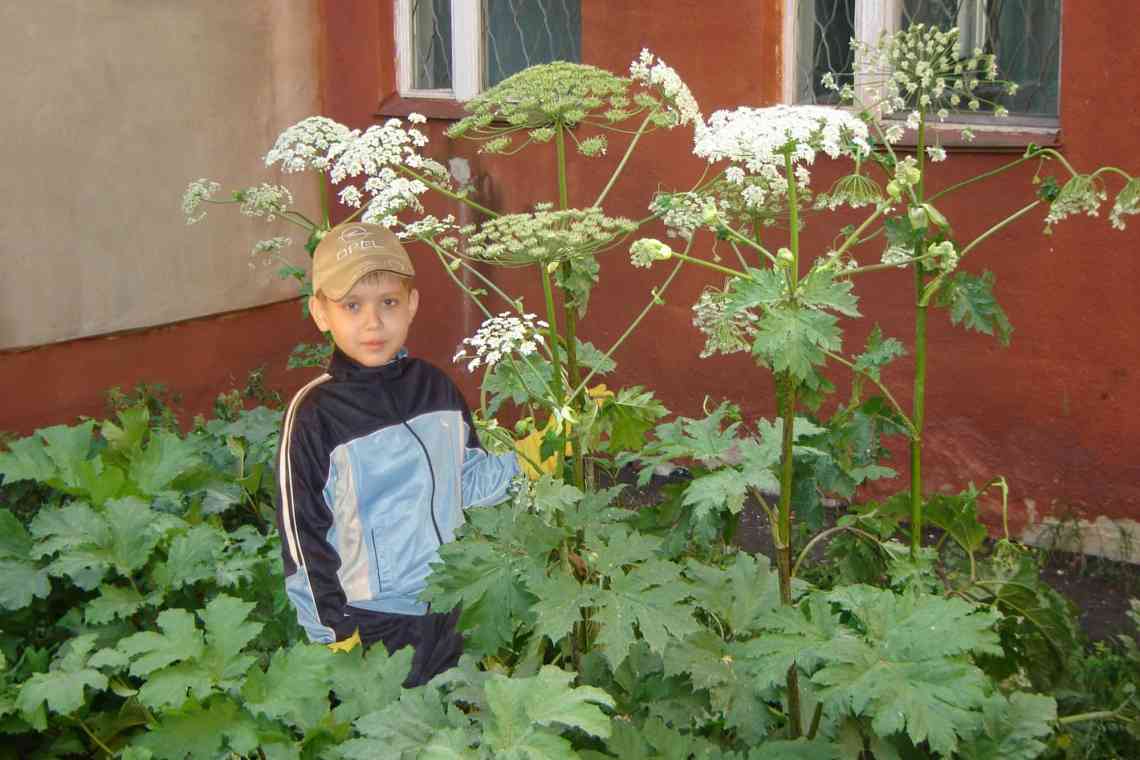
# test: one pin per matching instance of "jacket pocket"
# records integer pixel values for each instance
(380, 565)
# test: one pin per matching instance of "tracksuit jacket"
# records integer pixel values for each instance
(376, 467)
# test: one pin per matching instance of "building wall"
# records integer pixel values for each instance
(1053, 413)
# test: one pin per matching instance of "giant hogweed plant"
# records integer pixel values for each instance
(785, 310)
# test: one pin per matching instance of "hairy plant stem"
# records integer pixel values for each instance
(983, 176)
(708, 265)
(569, 316)
(783, 532)
(324, 192)
(1000, 225)
(918, 414)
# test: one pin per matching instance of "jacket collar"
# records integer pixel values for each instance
(341, 367)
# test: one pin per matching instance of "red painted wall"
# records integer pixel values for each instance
(1054, 413)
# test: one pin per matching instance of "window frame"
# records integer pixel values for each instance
(874, 16)
(466, 52)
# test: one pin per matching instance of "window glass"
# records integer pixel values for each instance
(522, 33)
(1025, 36)
(431, 44)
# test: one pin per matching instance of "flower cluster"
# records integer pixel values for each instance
(907, 175)
(307, 144)
(1083, 192)
(854, 190)
(545, 236)
(944, 256)
(539, 99)
(498, 338)
(270, 246)
(682, 213)
(646, 251)
(897, 255)
(921, 69)
(726, 331)
(1127, 203)
(200, 191)
(682, 106)
(759, 139)
(264, 200)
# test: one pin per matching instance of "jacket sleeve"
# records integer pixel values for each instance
(304, 519)
(486, 477)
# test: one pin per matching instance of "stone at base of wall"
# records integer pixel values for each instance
(1117, 540)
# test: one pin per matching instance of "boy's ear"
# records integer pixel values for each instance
(317, 312)
(413, 301)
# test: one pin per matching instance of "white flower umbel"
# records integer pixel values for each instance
(652, 72)
(725, 332)
(199, 192)
(306, 144)
(264, 200)
(758, 139)
(1127, 203)
(500, 337)
(270, 246)
(646, 251)
(1081, 193)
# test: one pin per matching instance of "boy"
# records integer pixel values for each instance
(378, 459)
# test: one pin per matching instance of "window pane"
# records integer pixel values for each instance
(431, 44)
(1024, 34)
(522, 33)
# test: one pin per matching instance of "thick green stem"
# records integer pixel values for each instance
(552, 333)
(980, 177)
(787, 466)
(918, 414)
(569, 315)
(1000, 225)
(324, 192)
(708, 265)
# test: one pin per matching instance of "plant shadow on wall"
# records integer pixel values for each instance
(148, 618)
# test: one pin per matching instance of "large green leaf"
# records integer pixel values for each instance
(24, 580)
(528, 714)
(821, 290)
(971, 301)
(200, 732)
(793, 339)
(365, 684)
(165, 458)
(1013, 726)
(403, 728)
(295, 687)
(63, 687)
(737, 594)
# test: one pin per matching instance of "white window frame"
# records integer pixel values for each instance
(466, 52)
(873, 17)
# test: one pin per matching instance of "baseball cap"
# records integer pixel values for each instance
(349, 251)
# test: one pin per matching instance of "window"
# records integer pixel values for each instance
(1025, 35)
(456, 48)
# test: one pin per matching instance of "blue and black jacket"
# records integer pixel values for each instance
(376, 467)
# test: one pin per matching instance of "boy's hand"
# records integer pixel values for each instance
(346, 645)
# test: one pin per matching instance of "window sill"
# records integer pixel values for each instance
(433, 108)
(988, 137)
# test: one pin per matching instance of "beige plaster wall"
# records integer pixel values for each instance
(110, 107)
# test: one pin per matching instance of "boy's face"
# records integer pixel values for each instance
(370, 324)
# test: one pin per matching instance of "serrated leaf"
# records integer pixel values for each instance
(128, 435)
(366, 684)
(971, 301)
(26, 459)
(559, 599)
(793, 339)
(488, 583)
(63, 688)
(706, 440)
(193, 557)
(790, 636)
(909, 670)
(228, 632)
(958, 516)
(650, 597)
(115, 602)
(762, 288)
(67, 448)
(526, 714)
(800, 749)
(402, 728)
(591, 358)
(1014, 727)
(165, 458)
(820, 290)
(737, 593)
(629, 416)
(23, 582)
(200, 732)
(295, 687)
(15, 543)
(179, 640)
(878, 353)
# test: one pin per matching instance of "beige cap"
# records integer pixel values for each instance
(350, 251)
